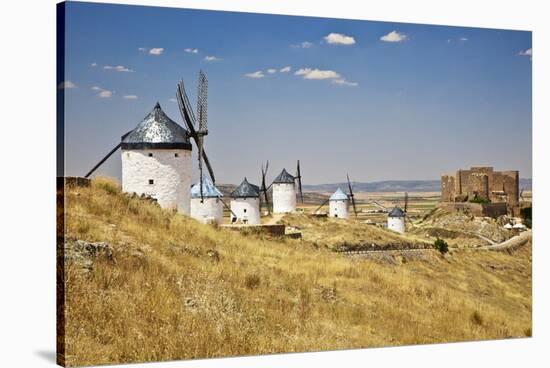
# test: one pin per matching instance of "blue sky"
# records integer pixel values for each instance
(378, 100)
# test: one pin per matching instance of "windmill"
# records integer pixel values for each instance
(406, 202)
(264, 188)
(339, 195)
(298, 177)
(351, 196)
(188, 117)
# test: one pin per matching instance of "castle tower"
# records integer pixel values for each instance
(245, 204)
(156, 161)
(207, 208)
(338, 205)
(284, 193)
(396, 220)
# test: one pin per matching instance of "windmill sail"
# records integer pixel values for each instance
(105, 158)
(264, 188)
(299, 178)
(189, 118)
(352, 197)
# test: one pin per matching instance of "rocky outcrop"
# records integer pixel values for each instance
(83, 254)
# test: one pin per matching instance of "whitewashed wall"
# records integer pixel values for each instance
(247, 210)
(171, 176)
(338, 208)
(284, 198)
(397, 224)
(211, 210)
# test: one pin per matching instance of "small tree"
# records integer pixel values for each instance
(441, 245)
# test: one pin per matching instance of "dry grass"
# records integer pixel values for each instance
(178, 290)
(351, 234)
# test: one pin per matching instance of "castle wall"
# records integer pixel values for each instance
(170, 175)
(478, 186)
(483, 182)
(448, 188)
(493, 210)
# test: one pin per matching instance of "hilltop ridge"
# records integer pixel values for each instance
(161, 286)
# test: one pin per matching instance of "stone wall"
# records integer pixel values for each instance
(448, 188)
(483, 183)
(493, 210)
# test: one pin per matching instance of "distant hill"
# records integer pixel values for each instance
(394, 186)
(525, 183)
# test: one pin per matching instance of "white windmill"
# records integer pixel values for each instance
(207, 205)
(245, 204)
(338, 203)
(397, 217)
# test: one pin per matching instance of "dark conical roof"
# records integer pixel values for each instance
(246, 190)
(157, 130)
(396, 212)
(284, 177)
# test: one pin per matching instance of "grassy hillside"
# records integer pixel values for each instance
(176, 289)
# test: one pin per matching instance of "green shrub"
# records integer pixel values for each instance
(441, 245)
(527, 216)
(479, 200)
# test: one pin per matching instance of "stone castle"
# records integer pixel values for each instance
(495, 192)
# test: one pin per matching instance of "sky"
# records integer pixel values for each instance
(377, 100)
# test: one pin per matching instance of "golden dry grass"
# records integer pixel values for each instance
(166, 297)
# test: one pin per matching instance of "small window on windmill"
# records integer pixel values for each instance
(176, 155)
(244, 210)
(151, 181)
(150, 154)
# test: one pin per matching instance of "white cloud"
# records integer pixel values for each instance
(449, 40)
(192, 51)
(93, 65)
(118, 68)
(308, 73)
(528, 52)
(463, 39)
(302, 45)
(103, 93)
(339, 39)
(394, 36)
(172, 100)
(142, 49)
(130, 97)
(256, 75)
(156, 51)
(286, 69)
(272, 71)
(344, 82)
(211, 58)
(66, 85)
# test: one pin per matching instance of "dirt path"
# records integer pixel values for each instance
(512, 243)
(274, 219)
